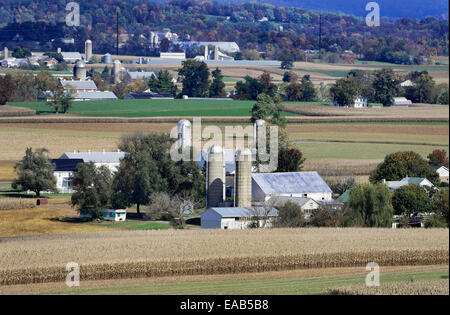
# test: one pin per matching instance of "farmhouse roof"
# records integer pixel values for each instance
(78, 85)
(280, 200)
(291, 183)
(66, 165)
(97, 95)
(240, 212)
(71, 55)
(141, 75)
(96, 157)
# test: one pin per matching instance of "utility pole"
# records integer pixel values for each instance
(117, 47)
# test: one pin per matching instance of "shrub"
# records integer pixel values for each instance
(435, 221)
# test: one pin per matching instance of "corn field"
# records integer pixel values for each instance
(16, 203)
(120, 255)
(437, 287)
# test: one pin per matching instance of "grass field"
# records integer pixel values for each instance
(285, 286)
(151, 108)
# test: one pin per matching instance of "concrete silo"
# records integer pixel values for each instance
(117, 69)
(259, 130)
(216, 53)
(88, 50)
(5, 52)
(215, 177)
(184, 133)
(243, 178)
(79, 71)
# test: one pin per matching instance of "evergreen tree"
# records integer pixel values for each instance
(195, 76)
(217, 88)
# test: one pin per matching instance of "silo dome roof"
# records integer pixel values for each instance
(215, 149)
(184, 122)
(260, 122)
(243, 152)
(80, 64)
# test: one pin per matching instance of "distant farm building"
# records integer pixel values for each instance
(134, 75)
(147, 95)
(173, 55)
(400, 101)
(237, 217)
(71, 57)
(394, 185)
(78, 86)
(228, 47)
(116, 215)
(64, 171)
(298, 184)
(443, 173)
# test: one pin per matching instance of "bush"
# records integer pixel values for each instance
(290, 215)
(410, 199)
(16, 203)
(326, 218)
(435, 221)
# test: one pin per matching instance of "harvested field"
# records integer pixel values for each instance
(424, 111)
(106, 255)
(7, 170)
(439, 287)
(12, 111)
(16, 203)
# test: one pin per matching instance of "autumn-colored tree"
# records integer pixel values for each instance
(7, 88)
(438, 158)
(290, 160)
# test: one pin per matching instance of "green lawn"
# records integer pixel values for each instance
(133, 225)
(303, 286)
(331, 73)
(151, 108)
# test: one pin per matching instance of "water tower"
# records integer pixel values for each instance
(243, 178)
(215, 177)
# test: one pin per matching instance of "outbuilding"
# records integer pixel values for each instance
(237, 218)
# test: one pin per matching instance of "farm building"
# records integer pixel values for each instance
(134, 75)
(443, 173)
(63, 172)
(229, 47)
(296, 184)
(173, 55)
(47, 96)
(394, 185)
(147, 95)
(116, 215)
(235, 218)
(71, 57)
(359, 102)
(108, 159)
(76, 86)
(307, 204)
(400, 101)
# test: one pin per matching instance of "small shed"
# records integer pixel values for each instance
(116, 215)
(232, 218)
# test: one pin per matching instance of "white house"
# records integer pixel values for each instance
(407, 83)
(295, 184)
(443, 173)
(108, 159)
(360, 102)
(63, 172)
(235, 218)
(394, 185)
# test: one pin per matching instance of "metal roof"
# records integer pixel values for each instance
(141, 75)
(98, 95)
(96, 157)
(225, 46)
(71, 55)
(66, 165)
(79, 85)
(281, 200)
(291, 183)
(238, 212)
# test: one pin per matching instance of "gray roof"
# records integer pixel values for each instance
(238, 212)
(79, 85)
(141, 75)
(281, 200)
(225, 46)
(96, 157)
(291, 183)
(71, 55)
(96, 95)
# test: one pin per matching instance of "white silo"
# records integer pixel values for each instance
(215, 177)
(216, 53)
(243, 178)
(184, 133)
(206, 52)
(88, 50)
(117, 69)
(259, 130)
(5, 52)
(79, 71)
(58, 50)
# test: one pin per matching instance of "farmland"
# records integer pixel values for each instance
(137, 254)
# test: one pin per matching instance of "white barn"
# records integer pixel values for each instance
(295, 184)
(108, 159)
(235, 218)
(443, 173)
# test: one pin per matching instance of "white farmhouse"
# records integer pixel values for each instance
(394, 185)
(235, 218)
(108, 159)
(64, 171)
(295, 184)
(443, 173)
(360, 102)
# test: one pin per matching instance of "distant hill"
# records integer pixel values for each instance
(388, 8)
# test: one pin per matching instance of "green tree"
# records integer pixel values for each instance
(308, 92)
(163, 83)
(121, 89)
(61, 100)
(269, 88)
(386, 86)
(399, 165)
(294, 91)
(439, 204)
(217, 88)
(195, 78)
(249, 89)
(287, 61)
(290, 215)
(93, 188)
(106, 74)
(34, 173)
(21, 52)
(422, 91)
(290, 160)
(323, 217)
(46, 82)
(57, 56)
(344, 92)
(269, 109)
(7, 89)
(373, 203)
(410, 199)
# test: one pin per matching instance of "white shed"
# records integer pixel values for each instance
(234, 218)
